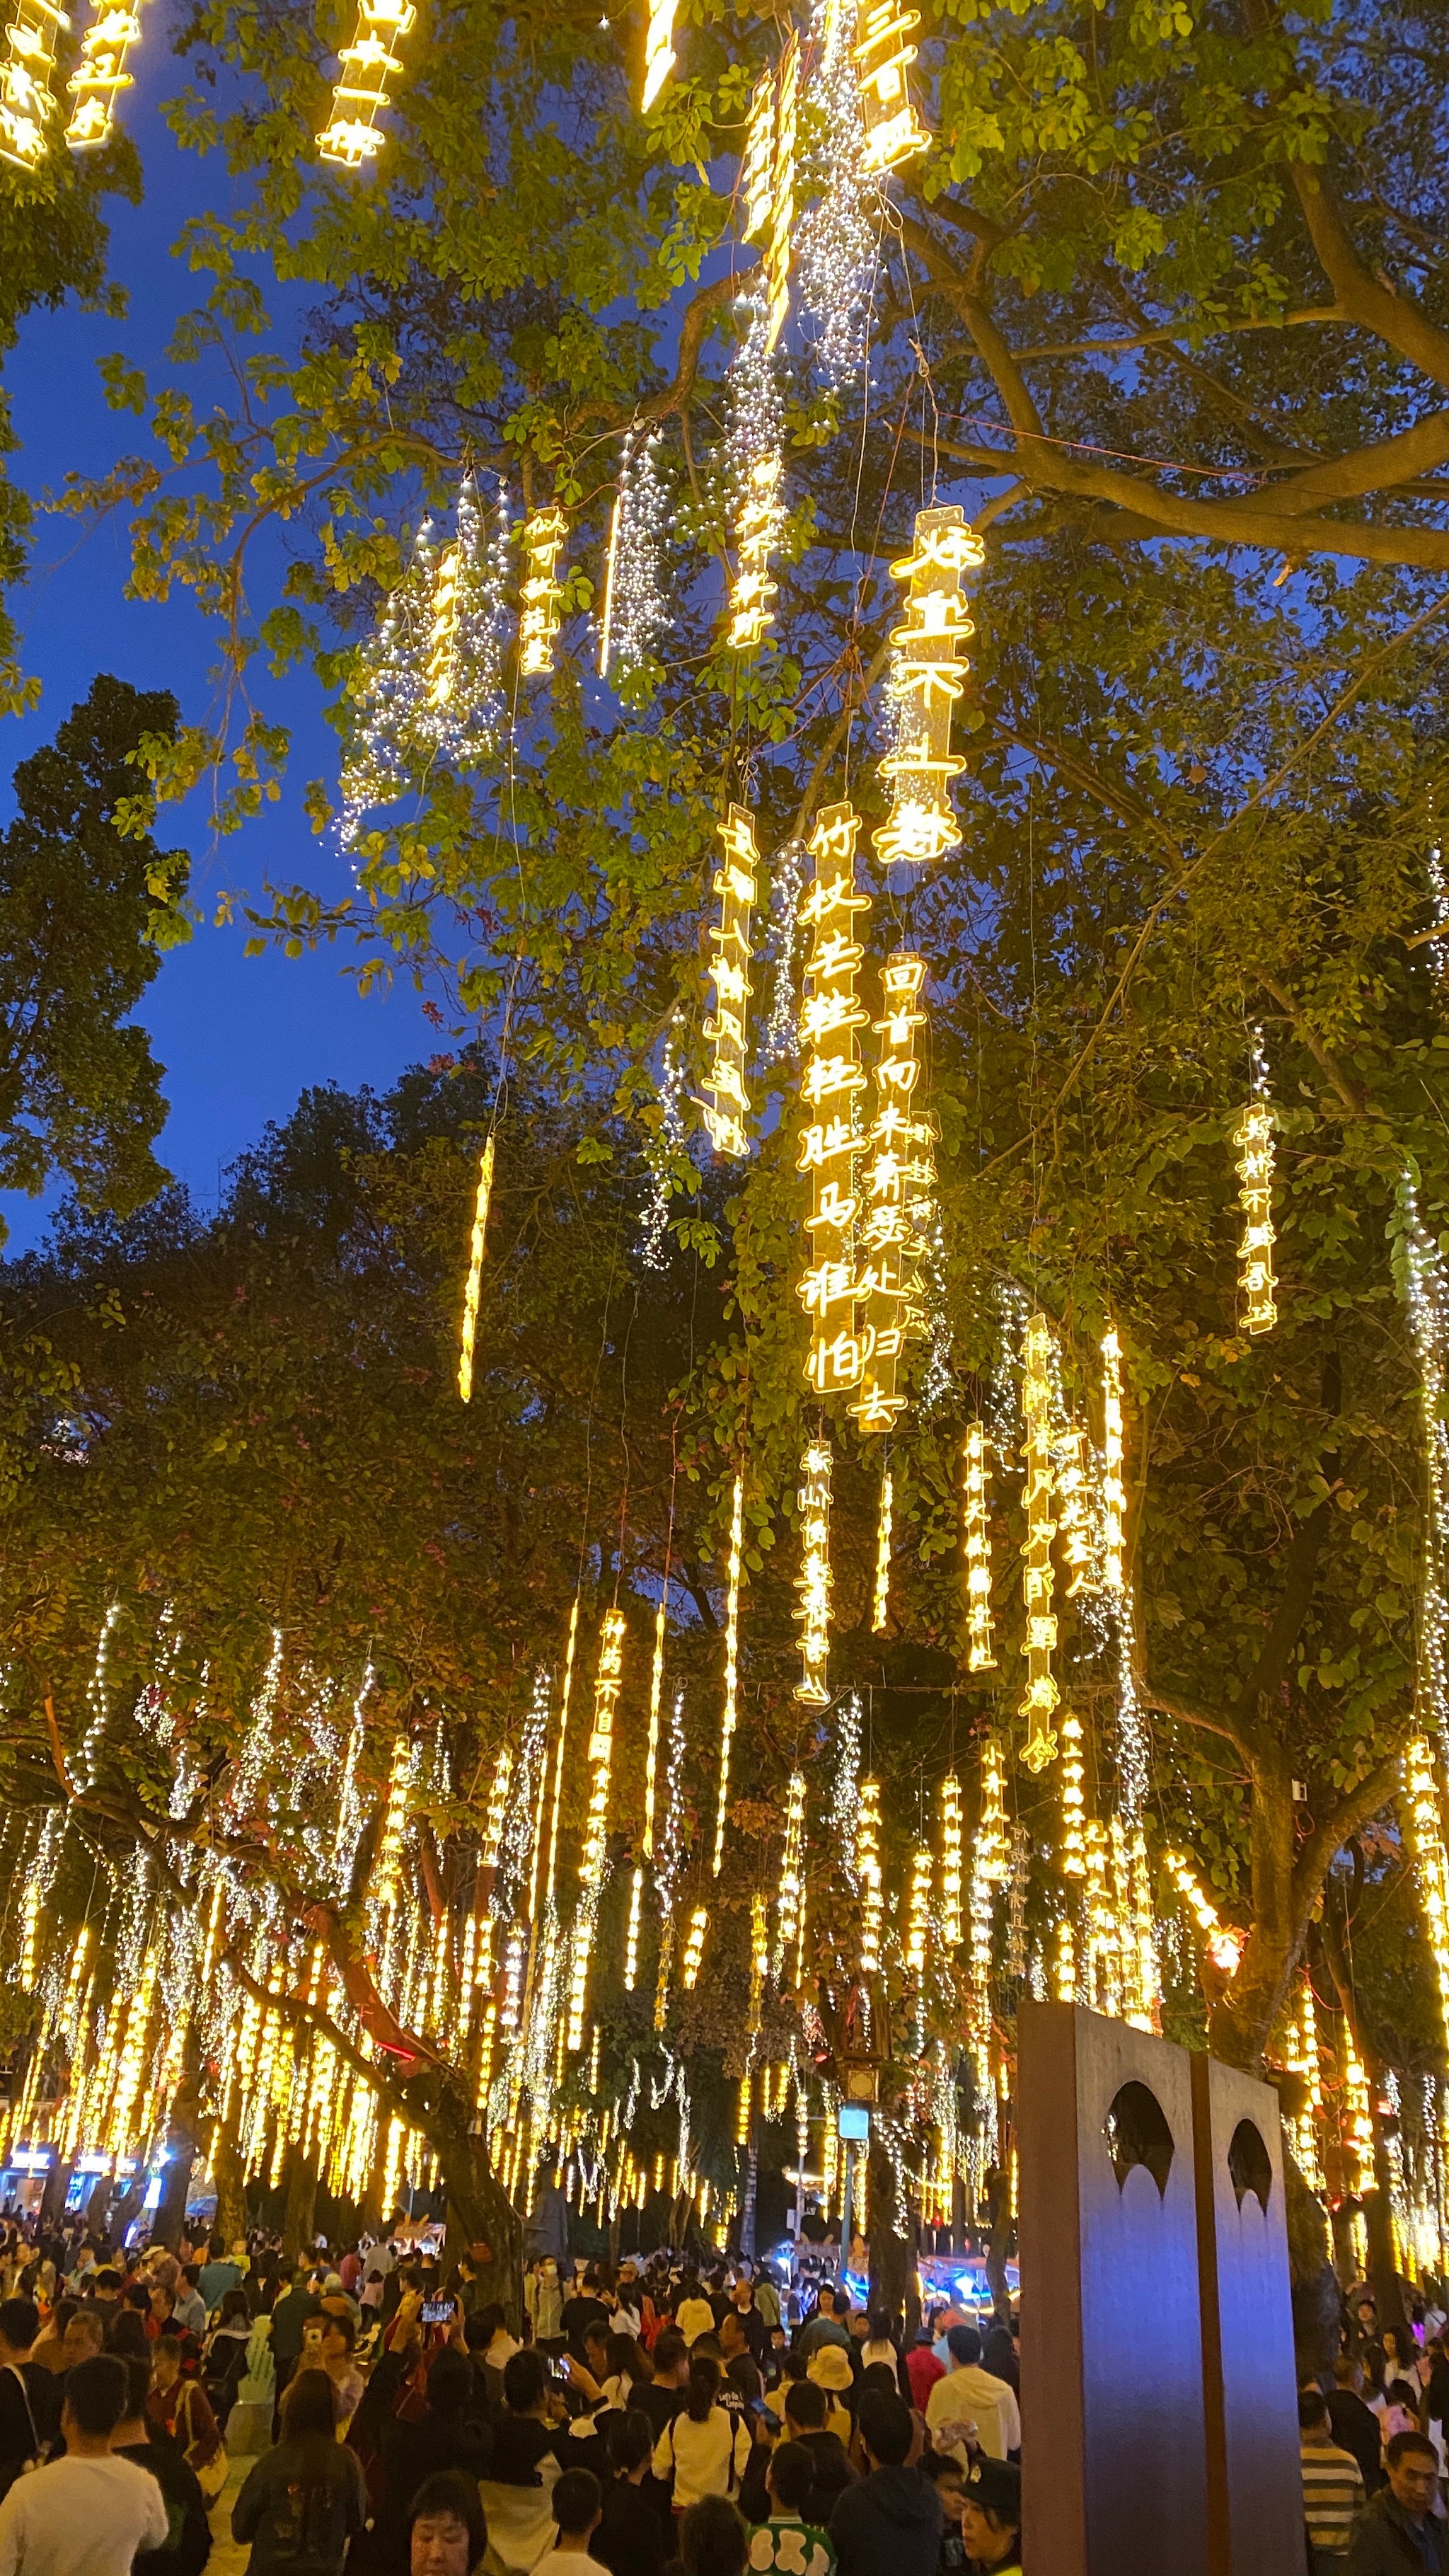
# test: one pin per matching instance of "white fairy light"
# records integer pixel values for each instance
(634, 612)
(1425, 1289)
(1439, 897)
(756, 478)
(661, 1146)
(390, 695)
(787, 886)
(845, 1782)
(835, 241)
(1134, 1770)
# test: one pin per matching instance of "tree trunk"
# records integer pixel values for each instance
(181, 2151)
(52, 2199)
(1383, 2271)
(1003, 2219)
(301, 2209)
(892, 2259)
(231, 2197)
(479, 2209)
(747, 2213)
(98, 2205)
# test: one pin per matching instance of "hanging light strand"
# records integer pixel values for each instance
(732, 1668)
(898, 1178)
(608, 1679)
(925, 680)
(880, 1608)
(976, 1538)
(1042, 1696)
(813, 1585)
(368, 64)
(726, 1105)
(830, 1078)
(475, 1272)
(1253, 1137)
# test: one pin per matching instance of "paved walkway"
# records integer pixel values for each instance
(228, 2557)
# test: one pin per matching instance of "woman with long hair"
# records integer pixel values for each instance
(705, 2450)
(302, 2502)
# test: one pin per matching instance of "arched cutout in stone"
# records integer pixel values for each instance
(1137, 2133)
(1250, 2164)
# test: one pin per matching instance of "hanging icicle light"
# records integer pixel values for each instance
(991, 1845)
(883, 53)
(898, 1170)
(1361, 2177)
(918, 1914)
(101, 74)
(634, 615)
(387, 1879)
(661, 1147)
(926, 679)
(732, 1668)
(607, 1684)
(868, 1871)
(28, 105)
(1065, 1966)
(790, 1914)
(951, 1880)
(780, 1036)
(1073, 1804)
(814, 1580)
(368, 64)
(880, 1608)
(1301, 2055)
(976, 1539)
(1042, 1695)
(1072, 1516)
(694, 1948)
(475, 1272)
(430, 680)
(1223, 1942)
(835, 242)
(830, 1078)
(727, 1104)
(540, 591)
(1253, 1136)
(558, 1769)
(651, 1768)
(1426, 1297)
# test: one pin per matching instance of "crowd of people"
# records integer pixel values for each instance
(373, 2413)
(1375, 2446)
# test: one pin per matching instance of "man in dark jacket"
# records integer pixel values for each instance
(889, 2523)
(29, 2414)
(187, 2546)
(1355, 2426)
(1396, 2534)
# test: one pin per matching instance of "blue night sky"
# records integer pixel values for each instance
(239, 1037)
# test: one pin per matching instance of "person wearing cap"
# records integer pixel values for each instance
(991, 2518)
(830, 2369)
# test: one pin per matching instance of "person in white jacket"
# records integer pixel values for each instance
(704, 2451)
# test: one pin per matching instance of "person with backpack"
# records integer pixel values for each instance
(302, 2502)
(705, 2450)
(187, 2546)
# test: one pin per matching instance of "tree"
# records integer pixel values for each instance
(87, 903)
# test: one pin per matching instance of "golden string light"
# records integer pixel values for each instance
(1104, 1945)
(1359, 2121)
(880, 1607)
(540, 590)
(101, 74)
(368, 64)
(1072, 1519)
(608, 1681)
(1074, 1862)
(897, 1178)
(814, 1580)
(694, 1948)
(1042, 1695)
(951, 1881)
(918, 1915)
(976, 1536)
(1222, 1941)
(658, 51)
(1065, 1972)
(782, 195)
(991, 1843)
(759, 1957)
(651, 1774)
(1301, 2055)
(727, 1106)
(791, 1907)
(883, 54)
(558, 1772)
(732, 1667)
(1253, 1137)
(868, 1871)
(1133, 1882)
(27, 101)
(757, 529)
(387, 1882)
(1114, 1491)
(926, 679)
(475, 1272)
(1426, 1835)
(830, 1078)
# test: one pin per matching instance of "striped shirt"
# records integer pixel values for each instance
(1332, 2495)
